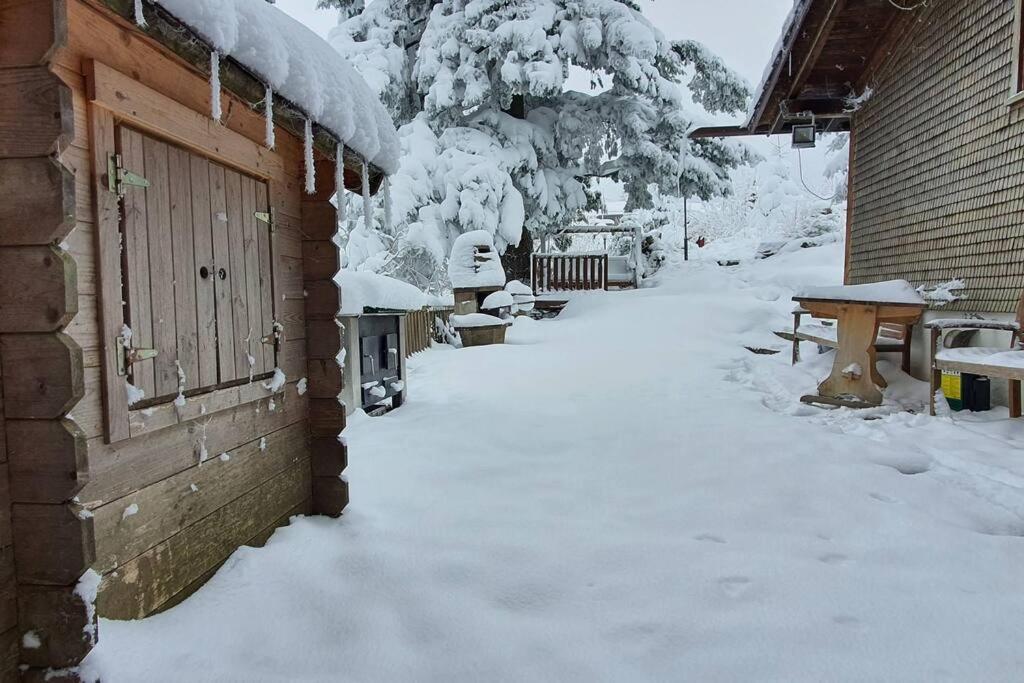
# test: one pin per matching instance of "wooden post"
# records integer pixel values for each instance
(935, 375)
(321, 260)
(45, 546)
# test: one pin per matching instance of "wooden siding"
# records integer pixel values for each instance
(189, 515)
(937, 174)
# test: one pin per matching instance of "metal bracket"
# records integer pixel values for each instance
(265, 217)
(127, 356)
(118, 177)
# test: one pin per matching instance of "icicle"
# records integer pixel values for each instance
(339, 185)
(140, 20)
(310, 171)
(268, 111)
(367, 205)
(387, 205)
(215, 111)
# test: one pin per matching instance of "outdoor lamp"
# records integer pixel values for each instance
(804, 136)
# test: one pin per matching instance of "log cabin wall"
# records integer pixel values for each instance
(46, 544)
(937, 172)
(173, 489)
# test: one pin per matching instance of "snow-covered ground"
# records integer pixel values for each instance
(625, 493)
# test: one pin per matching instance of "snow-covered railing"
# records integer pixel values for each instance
(424, 326)
(562, 272)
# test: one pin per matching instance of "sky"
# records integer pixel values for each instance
(742, 32)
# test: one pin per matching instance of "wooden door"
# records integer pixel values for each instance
(197, 276)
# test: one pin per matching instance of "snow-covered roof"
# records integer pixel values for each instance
(475, 262)
(361, 290)
(300, 66)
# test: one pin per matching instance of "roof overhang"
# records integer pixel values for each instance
(180, 39)
(827, 53)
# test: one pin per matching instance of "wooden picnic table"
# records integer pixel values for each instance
(859, 310)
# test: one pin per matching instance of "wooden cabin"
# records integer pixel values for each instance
(168, 341)
(933, 97)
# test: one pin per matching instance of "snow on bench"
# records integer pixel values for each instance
(990, 357)
(828, 335)
(893, 292)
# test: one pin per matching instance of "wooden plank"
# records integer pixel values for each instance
(10, 655)
(196, 407)
(136, 241)
(6, 533)
(179, 169)
(38, 289)
(206, 304)
(257, 541)
(161, 267)
(47, 460)
(146, 108)
(54, 545)
(40, 201)
(118, 469)
(8, 591)
(222, 285)
(36, 113)
(167, 507)
(146, 582)
(265, 243)
(258, 325)
(236, 273)
(42, 375)
(330, 496)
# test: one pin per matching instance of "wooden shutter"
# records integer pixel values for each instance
(198, 280)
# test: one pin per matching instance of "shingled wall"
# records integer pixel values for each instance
(937, 173)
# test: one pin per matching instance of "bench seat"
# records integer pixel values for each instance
(828, 335)
(998, 362)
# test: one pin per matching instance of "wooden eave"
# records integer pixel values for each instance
(242, 83)
(828, 55)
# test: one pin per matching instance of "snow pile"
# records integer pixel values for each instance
(474, 262)
(497, 300)
(890, 292)
(298, 65)
(361, 290)
(522, 296)
(477, 320)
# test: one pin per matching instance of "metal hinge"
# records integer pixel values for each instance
(118, 176)
(265, 217)
(128, 356)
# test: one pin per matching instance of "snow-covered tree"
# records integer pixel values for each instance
(493, 133)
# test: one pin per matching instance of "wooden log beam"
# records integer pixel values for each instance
(38, 289)
(49, 31)
(47, 460)
(43, 375)
(36, 113)
(54, 545)
(44, 212)
(64, 624)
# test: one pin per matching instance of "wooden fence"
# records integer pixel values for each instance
(560, 272)
(421, 328)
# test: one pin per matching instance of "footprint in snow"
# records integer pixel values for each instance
(833, 558)
(710, 538)
(734, 586)
(845, 620)
(882, 498)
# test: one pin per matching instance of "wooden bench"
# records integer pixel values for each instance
(995, 362)
(892, 337)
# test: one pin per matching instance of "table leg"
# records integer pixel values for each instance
(853, 370)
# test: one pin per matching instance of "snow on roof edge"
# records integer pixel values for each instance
(300, 67)
(787, 32)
